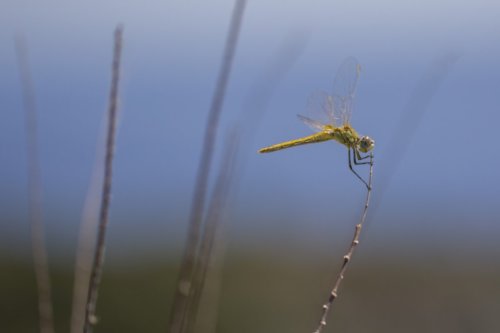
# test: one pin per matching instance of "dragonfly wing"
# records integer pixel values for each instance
(320, 106)
(344, 89)
(313, 124)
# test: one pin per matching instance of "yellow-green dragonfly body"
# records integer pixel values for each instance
(345, 135)
(337, 107)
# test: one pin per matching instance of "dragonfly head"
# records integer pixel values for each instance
(365, 144)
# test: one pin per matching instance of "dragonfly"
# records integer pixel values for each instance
(335, 110)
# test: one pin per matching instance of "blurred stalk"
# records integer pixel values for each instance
(206, 286)
(255, 103)
(86, 239)
(217, 207)
(40, 261)
(410, 120)
(184, 282)
(97, 266)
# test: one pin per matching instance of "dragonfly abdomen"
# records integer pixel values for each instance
(318, 137)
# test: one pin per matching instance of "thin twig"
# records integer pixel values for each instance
(95, 277)
(184, 281)
(40, 261)
(348, 256)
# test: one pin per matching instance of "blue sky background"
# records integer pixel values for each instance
(445, 190)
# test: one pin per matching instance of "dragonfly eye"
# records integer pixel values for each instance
(366, 144)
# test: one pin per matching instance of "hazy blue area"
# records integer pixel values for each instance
(445, 190)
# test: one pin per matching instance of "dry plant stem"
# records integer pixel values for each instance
(95, 276)
(348, 255)
(179, 307)
(40, 261)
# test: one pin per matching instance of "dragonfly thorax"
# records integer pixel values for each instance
(346, 135)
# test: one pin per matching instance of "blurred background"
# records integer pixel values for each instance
(428, 260)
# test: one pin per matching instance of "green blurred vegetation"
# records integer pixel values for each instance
(270, 292)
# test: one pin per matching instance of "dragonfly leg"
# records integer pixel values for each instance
(355, 162)
(357, 157)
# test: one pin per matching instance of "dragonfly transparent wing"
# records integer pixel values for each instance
(319, 111)
(344, 89)
(313, 124)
